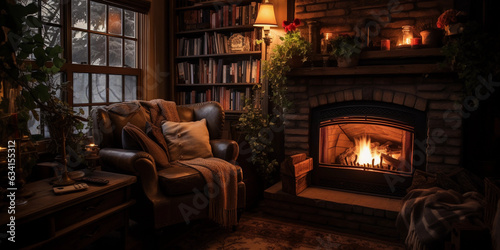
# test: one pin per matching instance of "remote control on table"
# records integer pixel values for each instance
(97, 181)
(72, 188)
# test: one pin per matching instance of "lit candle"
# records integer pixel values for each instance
(324, 42)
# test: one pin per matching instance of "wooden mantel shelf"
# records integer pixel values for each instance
(370, 70)
(401, 53)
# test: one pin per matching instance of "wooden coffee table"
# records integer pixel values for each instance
(73, 220)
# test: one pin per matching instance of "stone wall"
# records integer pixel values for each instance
(436, 94)
(384, 17)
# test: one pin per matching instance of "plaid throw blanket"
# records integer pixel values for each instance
(427, 215)
(222, 186)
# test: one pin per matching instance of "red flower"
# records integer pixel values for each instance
(285, 23)
(448, 17)
(291, 26)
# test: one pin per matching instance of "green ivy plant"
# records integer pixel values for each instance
(32, 78)
(473, 54)
(254, 123)
(345, 46)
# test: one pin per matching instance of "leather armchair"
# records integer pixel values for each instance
(164, 196)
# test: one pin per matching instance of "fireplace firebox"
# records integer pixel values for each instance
(368, 147)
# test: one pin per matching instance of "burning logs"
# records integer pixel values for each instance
(372, 155)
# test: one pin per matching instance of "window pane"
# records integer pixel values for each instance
(130, 88)
(98, 88)
(97, 16)
(34, 125)
(97, 49)
(51, 35)
(130, 56)
(57, 81)
(129, 28)
(51, 11)
(115, 21)
(115, 88)
(79, 47)
(79, 14)
(115, 51)
(80, 88)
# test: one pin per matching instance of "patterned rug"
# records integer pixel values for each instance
(262, 232)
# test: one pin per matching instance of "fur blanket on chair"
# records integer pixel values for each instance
(428, 215)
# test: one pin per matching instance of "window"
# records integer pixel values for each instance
(103, 54)
(100, 43)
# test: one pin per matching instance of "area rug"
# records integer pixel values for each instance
(261, 232)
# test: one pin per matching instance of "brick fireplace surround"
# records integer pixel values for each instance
(437, 95)
(423, 87)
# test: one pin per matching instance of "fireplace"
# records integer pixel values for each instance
(367, 146)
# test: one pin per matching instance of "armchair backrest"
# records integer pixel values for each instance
(109, 121)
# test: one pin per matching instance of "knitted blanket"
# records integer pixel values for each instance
(428, 215)
(160, 110)
(222, 187)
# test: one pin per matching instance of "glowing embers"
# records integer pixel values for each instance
(367, 145)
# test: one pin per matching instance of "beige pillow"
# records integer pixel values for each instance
(187, 140)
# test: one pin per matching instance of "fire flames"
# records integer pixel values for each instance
(366, 154)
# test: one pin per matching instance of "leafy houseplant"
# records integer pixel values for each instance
(346, 50)
(32, 79)
(472, 55)
(258, 127)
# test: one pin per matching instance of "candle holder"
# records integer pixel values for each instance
(92, 157)
(325, 42)
(406, 36)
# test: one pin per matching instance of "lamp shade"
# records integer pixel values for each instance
(265, 17)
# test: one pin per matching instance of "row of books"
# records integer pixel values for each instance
(229, 98)
(209, 71)
(219, 16)
(216, 43)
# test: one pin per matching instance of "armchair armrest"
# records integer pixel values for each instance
(225, 149)
(133, 162)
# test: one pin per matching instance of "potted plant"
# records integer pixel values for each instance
(474, 56)
(31, 79)
(431, 36)
(294, 47)
(346, 50)
(262, 130)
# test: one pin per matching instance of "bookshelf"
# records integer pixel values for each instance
(216, 57)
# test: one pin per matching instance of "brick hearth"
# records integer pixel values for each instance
(362, 214)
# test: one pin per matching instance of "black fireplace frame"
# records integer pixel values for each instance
(386, 184)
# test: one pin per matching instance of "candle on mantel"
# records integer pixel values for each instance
(416, 41)
(385, 44)
(324, 42)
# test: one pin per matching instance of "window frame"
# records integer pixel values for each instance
(71, 68)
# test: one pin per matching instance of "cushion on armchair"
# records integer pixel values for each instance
(135, 138)
(122, 113)
(187, 140)
(155, 134)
